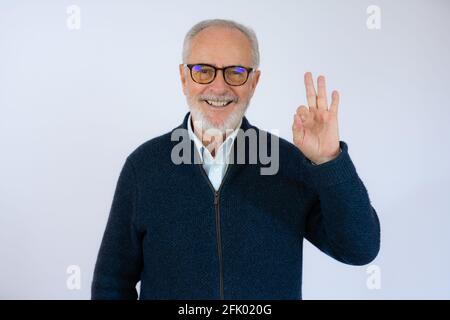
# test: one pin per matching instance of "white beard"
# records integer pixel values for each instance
(229, 124)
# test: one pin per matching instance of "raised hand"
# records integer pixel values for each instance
(315, 129)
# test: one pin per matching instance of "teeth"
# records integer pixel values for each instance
(217, 103)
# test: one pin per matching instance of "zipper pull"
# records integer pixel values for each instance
(216, 198)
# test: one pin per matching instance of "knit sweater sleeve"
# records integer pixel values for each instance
(119, 260)
(341, 222)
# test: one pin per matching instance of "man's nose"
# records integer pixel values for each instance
(219, 83)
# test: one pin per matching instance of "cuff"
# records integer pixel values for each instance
(330, 173)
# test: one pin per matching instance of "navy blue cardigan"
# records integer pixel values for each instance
(169, 229)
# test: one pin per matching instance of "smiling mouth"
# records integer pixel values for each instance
(218, 104)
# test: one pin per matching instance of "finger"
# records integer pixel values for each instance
(334, 101)
(303, 112)
(305, 115)
(297, 124)
(298, 129)
(310, 91)
(322, 102)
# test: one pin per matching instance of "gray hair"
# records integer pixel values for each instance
(248, 32)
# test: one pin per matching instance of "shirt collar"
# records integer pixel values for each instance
(227, 144)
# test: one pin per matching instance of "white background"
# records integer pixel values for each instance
(75, 103)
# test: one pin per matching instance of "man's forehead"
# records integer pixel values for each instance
(221, 47)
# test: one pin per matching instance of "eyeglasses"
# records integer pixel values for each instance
(205, 73)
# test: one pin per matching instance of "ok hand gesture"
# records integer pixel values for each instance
(315, 129)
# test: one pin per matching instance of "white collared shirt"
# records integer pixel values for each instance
(215, 168)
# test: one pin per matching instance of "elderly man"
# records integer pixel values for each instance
(220, 229)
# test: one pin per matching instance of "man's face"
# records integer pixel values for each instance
(220, 47)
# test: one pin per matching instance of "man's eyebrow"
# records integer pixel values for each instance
(209, 64)
(215, 65)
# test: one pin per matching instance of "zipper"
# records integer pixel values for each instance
(219, 242)
(218, 227)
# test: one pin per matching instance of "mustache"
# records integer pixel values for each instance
(218, 98)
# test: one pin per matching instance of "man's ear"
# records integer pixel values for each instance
(255, 80)
(183, 77)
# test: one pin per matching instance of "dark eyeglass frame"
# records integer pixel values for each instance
(191, 65)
